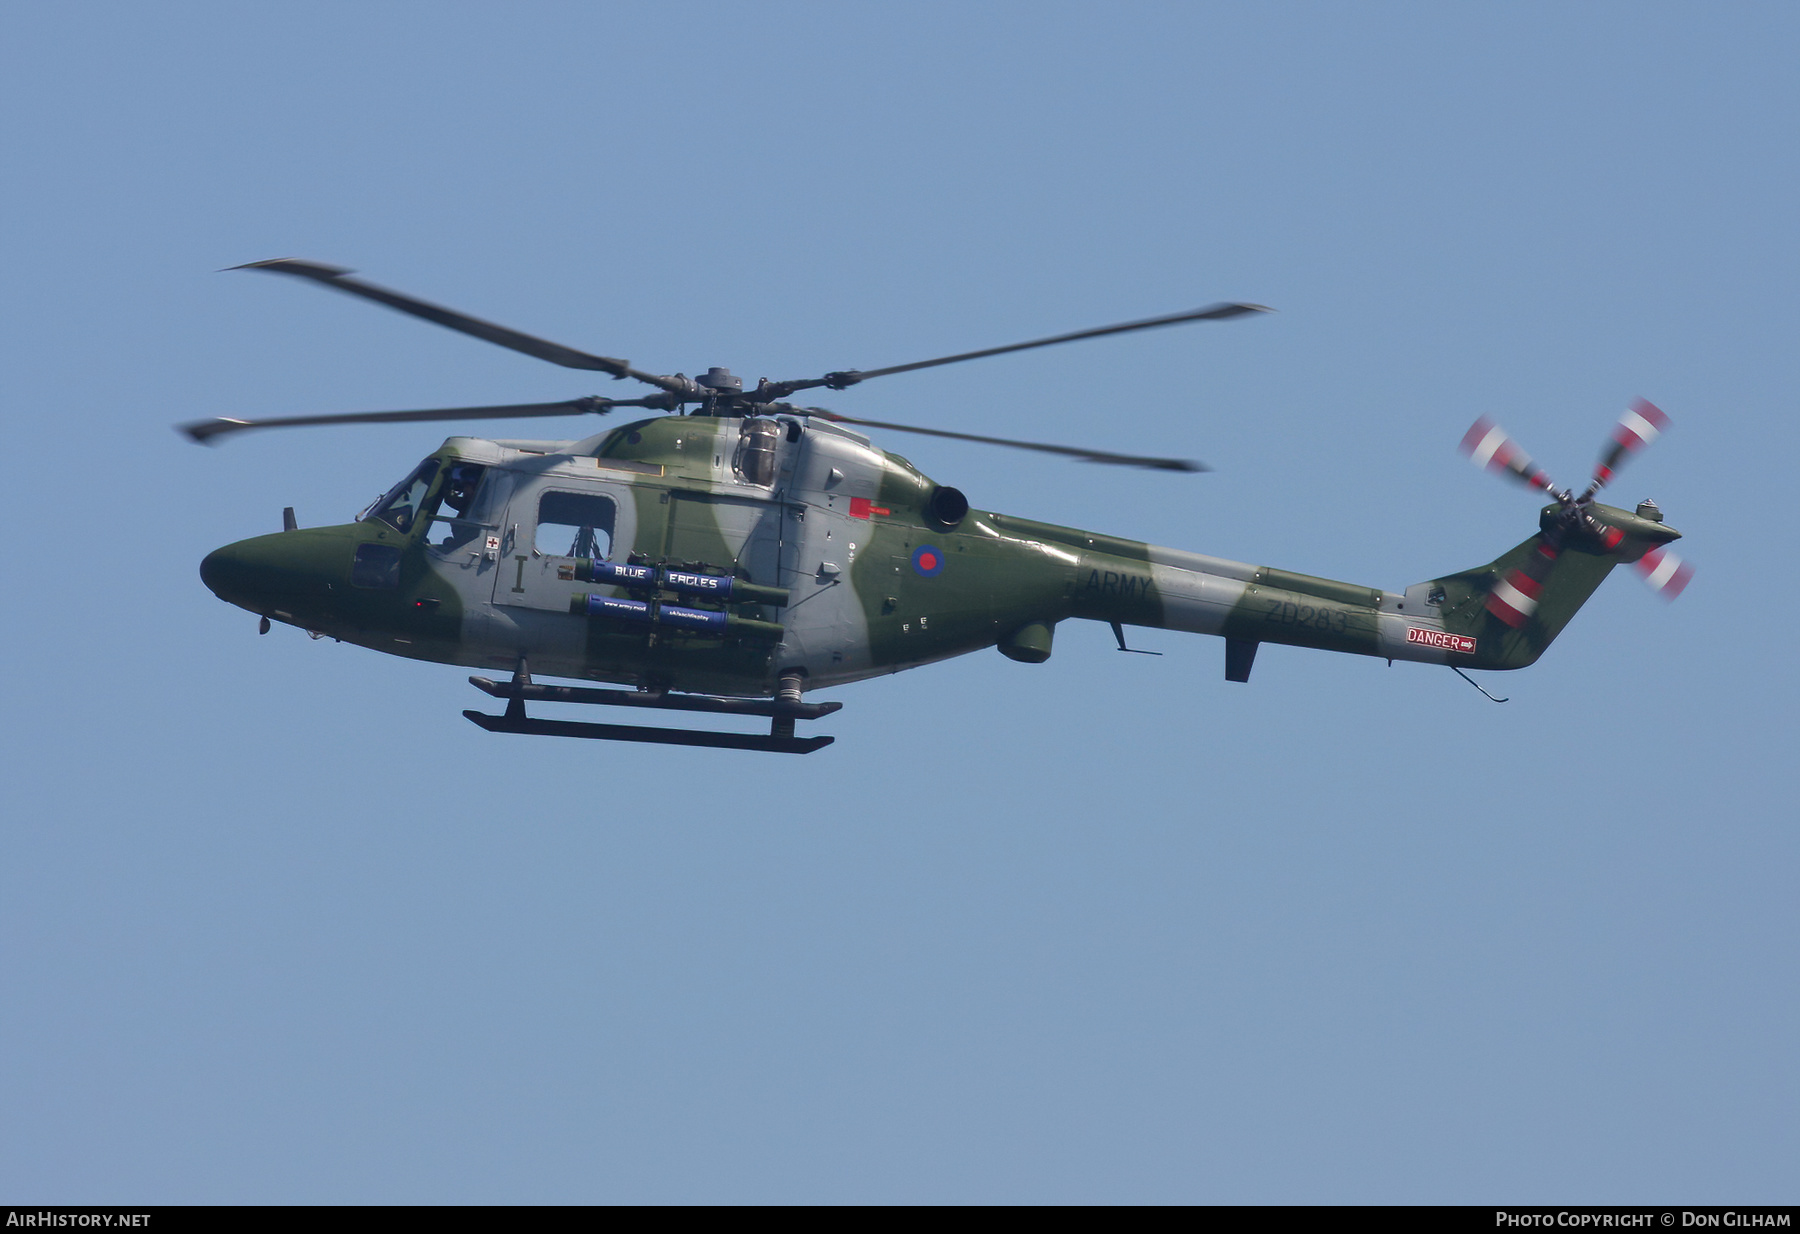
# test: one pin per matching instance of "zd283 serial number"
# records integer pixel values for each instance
(1325, 620)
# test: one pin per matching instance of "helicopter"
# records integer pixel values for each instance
(745, 550)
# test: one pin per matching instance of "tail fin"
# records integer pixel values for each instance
(1516, 605)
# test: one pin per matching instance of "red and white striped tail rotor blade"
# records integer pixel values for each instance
(1488, 447)
(1667, 574)
(1514, 597)
(1639, 425)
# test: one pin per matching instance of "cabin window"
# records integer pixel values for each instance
(754, 461)
(575, 525)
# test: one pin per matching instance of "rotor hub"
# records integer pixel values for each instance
(721, 381)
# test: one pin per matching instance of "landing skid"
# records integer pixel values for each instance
(657, 736)
(782, 711)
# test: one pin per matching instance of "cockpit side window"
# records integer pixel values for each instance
(403, 505)
(459, 518)
(575, 525)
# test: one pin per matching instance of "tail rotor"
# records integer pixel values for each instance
(1514, 597)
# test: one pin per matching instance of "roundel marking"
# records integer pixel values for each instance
(928, 561)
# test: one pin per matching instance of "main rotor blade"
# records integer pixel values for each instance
(339, 278)
(204, 431)
(1086, 456)
(1488, 446)
(1638, 426)
(843, 380)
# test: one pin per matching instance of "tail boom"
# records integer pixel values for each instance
(1501, 615)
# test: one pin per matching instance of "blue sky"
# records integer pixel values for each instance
(277, 924)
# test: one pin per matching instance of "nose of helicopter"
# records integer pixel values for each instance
(290, 570)
(240, 573)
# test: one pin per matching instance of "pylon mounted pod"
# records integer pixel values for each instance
(1029, 644)
(721, 587)
(672, 616)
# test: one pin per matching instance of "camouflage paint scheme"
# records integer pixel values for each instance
(876, 585)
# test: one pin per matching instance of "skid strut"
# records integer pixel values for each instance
(782, 711)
